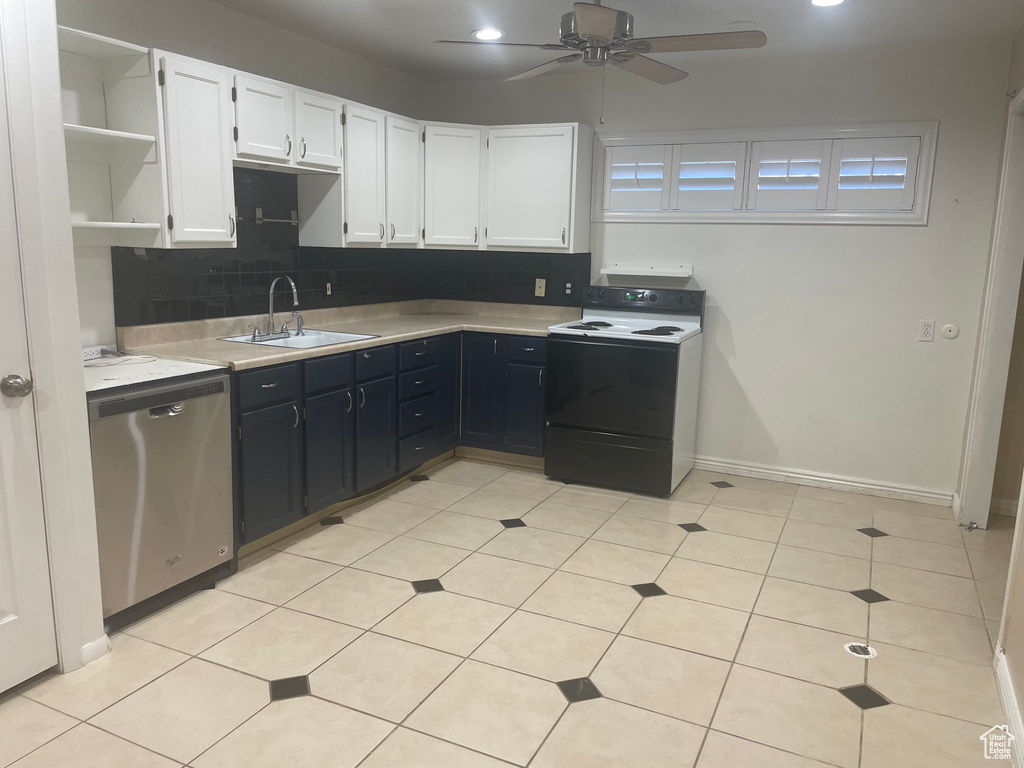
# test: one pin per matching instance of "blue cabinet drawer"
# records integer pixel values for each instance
(374, 363)
(413, 451)
(268, 385)
(329, 372)
(417, 414)
(419, 353)
(422, 382)
(527, 349)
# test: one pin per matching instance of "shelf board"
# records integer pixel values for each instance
(656, 270)
(103, 145)
(96, 46)
(92, 234)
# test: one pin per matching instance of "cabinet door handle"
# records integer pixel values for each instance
(475, 234)
(351, 402)
(495, 346)
(362, 397)
(382, 230)
(392, 230)
(563, 235)
(288, 153)
(231, 219)
(540, 378)
(296, 424)
(302, 143)
(366, 355)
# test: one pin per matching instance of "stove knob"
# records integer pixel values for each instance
(590, 294)
(680, 298)
(694, 299)
(600, 295)
(653, 297)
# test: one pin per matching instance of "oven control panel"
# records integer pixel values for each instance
(645, 299)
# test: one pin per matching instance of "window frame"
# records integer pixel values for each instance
(927, 132)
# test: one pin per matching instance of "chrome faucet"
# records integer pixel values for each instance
(272, 332)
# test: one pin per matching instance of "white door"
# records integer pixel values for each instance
(452, 185)
(404, 183)
(263, 115)
(28, 642)
(364, 175)
(317, 130)
(529, 189)
(197, 126)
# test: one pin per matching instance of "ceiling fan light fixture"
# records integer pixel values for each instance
(488, 34)
(825, 3)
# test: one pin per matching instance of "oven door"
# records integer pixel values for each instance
(621, 387)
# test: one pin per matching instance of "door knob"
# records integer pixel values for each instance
(15, 386)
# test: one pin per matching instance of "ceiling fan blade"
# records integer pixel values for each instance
(542, 46)
(543, 68)
(595, 22)
(715, 41)
(649, 68)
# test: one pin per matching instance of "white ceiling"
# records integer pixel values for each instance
(399, 33)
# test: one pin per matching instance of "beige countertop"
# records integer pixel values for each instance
(388, 329)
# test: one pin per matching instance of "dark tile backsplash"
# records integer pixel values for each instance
(159, 286)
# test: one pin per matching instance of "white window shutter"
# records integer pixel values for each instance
(708, 177)
(789, 175)
(636, 178)
(874, 174)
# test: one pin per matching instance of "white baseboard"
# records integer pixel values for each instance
(822, 480)
(1006, 507)
(1011, 709)
(97, 649)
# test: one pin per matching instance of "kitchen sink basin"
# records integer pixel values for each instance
(312, 338)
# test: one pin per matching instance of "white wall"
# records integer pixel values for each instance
(213, 33)
(811, 360)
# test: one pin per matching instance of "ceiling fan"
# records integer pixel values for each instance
(603, 35)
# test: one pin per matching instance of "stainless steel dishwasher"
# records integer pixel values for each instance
(161, 457)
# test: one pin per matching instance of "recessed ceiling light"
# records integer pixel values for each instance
(824, 3)
(490, 33)
(741, 25)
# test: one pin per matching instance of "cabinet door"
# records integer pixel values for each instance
(403, 180)
(525, 423)
(330, 448)
(529, 197)
(263, 116)
(271, 458)
(376, 432)
(197, 125)
(483, 390)
(364, 175)
(452, 185)
(449, 390)
(318, 130)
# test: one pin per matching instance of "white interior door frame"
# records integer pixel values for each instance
(29, 29)
(995, 335)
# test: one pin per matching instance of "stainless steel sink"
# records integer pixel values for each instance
(312, 338)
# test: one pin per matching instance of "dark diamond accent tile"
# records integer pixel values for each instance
(692, 527)
(427, 585)
(649, 590)
(870, 596)
(514, 522)
(332, 521)
(289, 688)
(864, 696)
(579, 689)
(418, 478)
(723, 484)
(872, 532)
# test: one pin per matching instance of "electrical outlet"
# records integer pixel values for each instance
(540, 287)
(95, 353)
(328, 289)
(926, 330)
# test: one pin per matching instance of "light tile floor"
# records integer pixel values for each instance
(438, 628)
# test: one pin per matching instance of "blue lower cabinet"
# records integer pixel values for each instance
(450, 354)
(271, 463)
(483, 390)
(330, 448)
(524, 432)
(376, 431)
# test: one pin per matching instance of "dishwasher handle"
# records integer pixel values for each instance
(167, 411)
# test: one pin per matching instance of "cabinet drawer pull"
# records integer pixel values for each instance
(269, 386)
(418, 415)
(527, 349)
(421, 448)
(362, 397)
(421, 354)
(421, 381)
(296, 424)
(288, 153)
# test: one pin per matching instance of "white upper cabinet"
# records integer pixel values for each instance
(364, 175)
(404, 180)
(452, 185)
(532, 187)
(263, 116)
(198, 129)
(318, 130)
